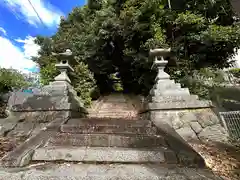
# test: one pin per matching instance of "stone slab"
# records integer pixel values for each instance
(57, 107)
(214, 133)
(167, 86)
(178, 105)
(22, 129)
(40, 116)
(108, 172)
(174, 98)
(129, 115)
(99, 154)
(114, 115)
(187, 133)
(108, 129)
(38, 128)
(16, 157)
(207, 118)
(158, 89)
(7, 127)
(169, 92)
(110, 122)
(106, 140)
(197, 128)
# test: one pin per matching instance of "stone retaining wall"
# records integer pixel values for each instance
(193, 124)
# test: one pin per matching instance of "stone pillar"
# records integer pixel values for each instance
(56, 100)
(174, 109)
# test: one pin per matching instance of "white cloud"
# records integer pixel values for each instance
(13, 57)
(23, 9)
(3, 31)
(30, 48)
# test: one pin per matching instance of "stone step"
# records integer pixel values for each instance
(179, 105)
(174, 98)
(115, 106)
(114, 111)
(180, 92)
(110, 122)
(112, 116)
(67, 171)
(167, 86)
(108, 129)
(107, 111)
(107, 140)
(105, 154)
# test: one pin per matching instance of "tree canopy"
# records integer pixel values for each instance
(11, 79)
(114, 36)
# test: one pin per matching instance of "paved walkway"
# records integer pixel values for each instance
(105, 172)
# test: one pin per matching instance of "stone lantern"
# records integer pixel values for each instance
(63, 65)
(160, 64)
(164, 86)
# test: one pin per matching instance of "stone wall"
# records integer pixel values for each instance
(193, 124)
(53, 101)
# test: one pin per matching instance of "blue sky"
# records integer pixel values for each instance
(19, 24)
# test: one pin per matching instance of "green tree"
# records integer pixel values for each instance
(82, 78)
(11, 79)
(112, 36)
(235, 72)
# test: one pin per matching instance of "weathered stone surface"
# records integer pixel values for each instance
(14, 158)
(108, 126)
(18, 98)
(189, 158)
(117, 106)
(38, 128)
(44, 102)
(213, 133)
(126, 114)
(106, 140)
(22, 129)
(26, 158)
(108, 172)
(108, 129)
(161, 117)
(40, 116)
(109, 122)
(180, 92)
(177, 124)
(197, 128)
(178, 105)
(50, 101)
(207, 118)
(99, 154)
(189, 123)
(161, 88)
(7, 127)
(187, 117)
(164, 99)
(187, 133)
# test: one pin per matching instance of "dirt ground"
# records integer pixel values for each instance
(224, 160)
(8, 144)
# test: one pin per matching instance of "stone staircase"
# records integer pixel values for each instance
(114, 106)
(106, 141)
(101, 147)
(106, 149)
